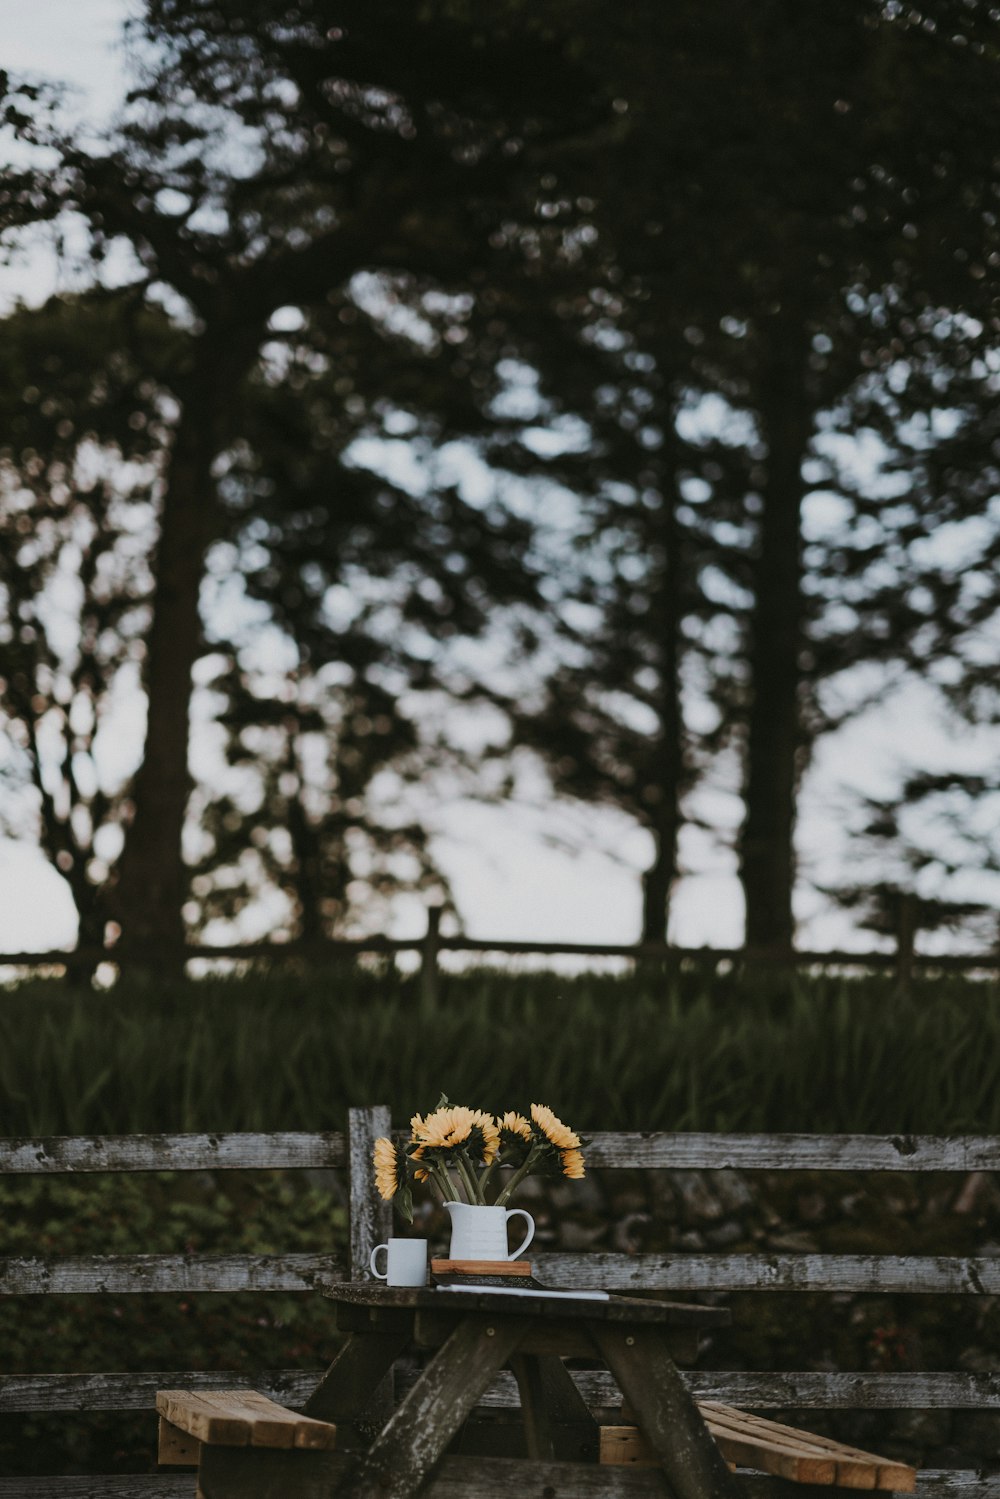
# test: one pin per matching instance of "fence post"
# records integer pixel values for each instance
(905, 936)
(429, 971)
(371, 1218)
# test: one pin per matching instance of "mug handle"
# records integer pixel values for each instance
(520, 1213)
(379, 1274)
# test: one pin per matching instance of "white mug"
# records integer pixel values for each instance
(405, 1262)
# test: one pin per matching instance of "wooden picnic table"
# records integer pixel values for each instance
(470, 1337)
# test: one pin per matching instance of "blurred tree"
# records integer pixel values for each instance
(83, 432)
(264, 162)
(789, 228)
(930, 855)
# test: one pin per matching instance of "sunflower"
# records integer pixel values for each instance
(572, 1164)
(557, 1133)
(390, 1168)
(450, 1129)
(514, 1124)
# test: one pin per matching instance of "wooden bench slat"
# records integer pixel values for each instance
(280, 1150)
(242, 1418)
(787, 1452)
(854, 1468)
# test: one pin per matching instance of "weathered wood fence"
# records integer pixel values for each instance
(721, 1271)
(903, 961)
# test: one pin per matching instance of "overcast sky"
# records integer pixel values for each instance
(509, 880)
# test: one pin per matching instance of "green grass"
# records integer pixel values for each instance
(294, 1050)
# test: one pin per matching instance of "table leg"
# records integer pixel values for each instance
(538, 1435)
(665, 1412)
(351, 1391)
(416, 1436)
(557, 1423)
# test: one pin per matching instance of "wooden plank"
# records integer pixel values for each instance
(123, 1275)
(782, 1459)
(75, 1392)
(348, 1392)
(456, 1478)
(655, 1150)
(101, 1486)
(767, 1391)
(166, 1273)
(939, 1275)
(503, 1301)
(406, 1450)
(200, 1415)
(237, 1418)
(503, 1268)
(810, 1390)
(283, 1150)
(854, 1465)
(668, 1417)
(371, 1218)
(176, 1448)
(794, 1152)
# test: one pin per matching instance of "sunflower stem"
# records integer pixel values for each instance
(504, 1196)
(465, 1171)
(485, 1176)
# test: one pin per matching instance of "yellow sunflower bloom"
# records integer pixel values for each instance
(443, 1129)
(389, 1169)
(557, 1133)
(572, 1164)
(515, 1124)
(487, 1127)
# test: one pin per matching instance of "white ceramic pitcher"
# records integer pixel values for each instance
(480, 1233)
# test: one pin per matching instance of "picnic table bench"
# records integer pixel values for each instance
(749, 1391)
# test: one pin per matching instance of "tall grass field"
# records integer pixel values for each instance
(294, 1050)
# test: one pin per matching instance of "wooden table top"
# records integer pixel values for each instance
(617, 1309)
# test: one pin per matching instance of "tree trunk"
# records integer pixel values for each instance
(154, 879)
(665, 774)
(774, 741)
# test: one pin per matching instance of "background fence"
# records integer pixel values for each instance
(903, 959)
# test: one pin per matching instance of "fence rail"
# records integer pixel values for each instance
(904, 961)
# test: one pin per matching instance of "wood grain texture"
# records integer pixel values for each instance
(457, 1478)
(121, 1392)
(289, 1150)
(665, 1412)
(767, 1391)
(241, 1418)
(692, 1152)
(127, 1274)
(772, 1272)
(101, 1486)
(656, 1150)
(371, 1218)
(406, 1450)
(855, 1468)
(123, 1275)
(176, 1448)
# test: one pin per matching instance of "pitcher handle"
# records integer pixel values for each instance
(520, 1213)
